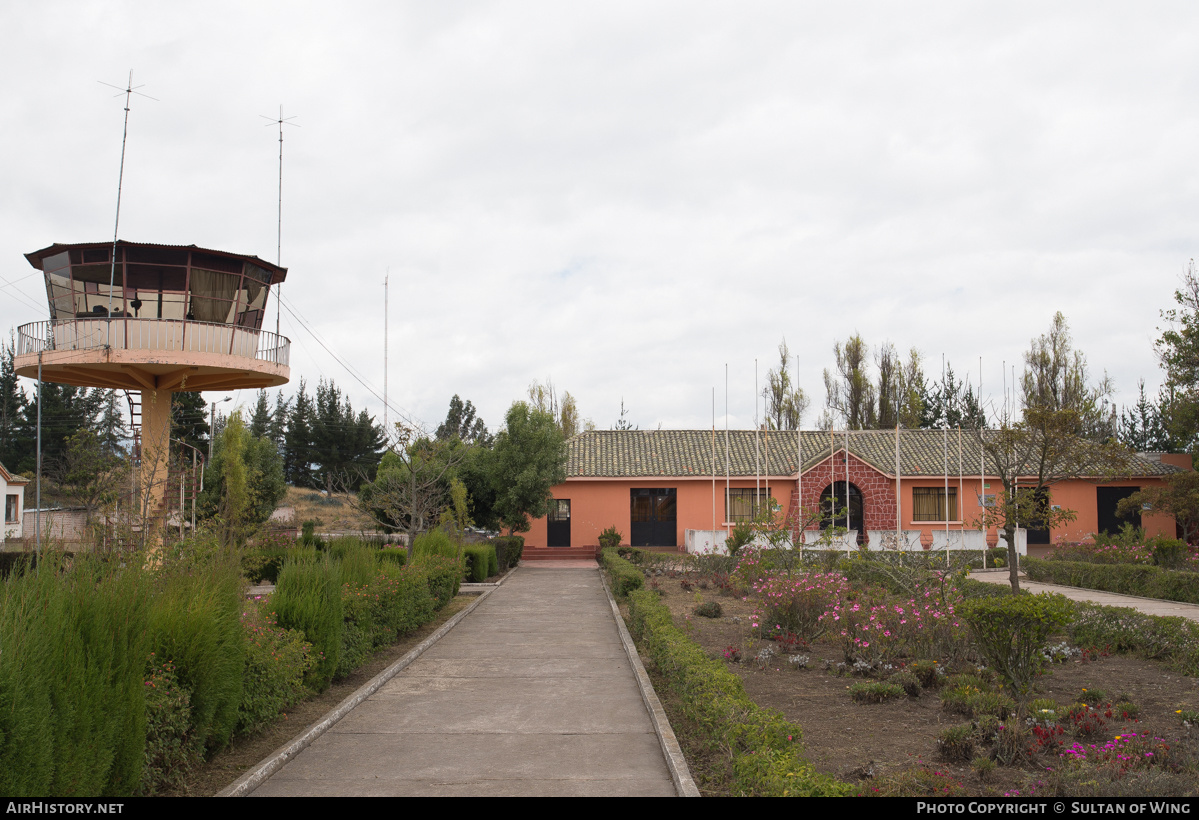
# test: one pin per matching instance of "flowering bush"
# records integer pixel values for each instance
(276, 661)
(797, 605)
(172, 749)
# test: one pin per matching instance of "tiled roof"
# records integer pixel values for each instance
(651, 453)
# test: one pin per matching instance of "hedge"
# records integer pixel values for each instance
(763, 746)
(625, 577)
(1127, 579)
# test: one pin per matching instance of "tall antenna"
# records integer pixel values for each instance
(281, 121)
(386, 276)
(129, 90)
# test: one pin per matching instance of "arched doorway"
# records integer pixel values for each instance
(833, 502)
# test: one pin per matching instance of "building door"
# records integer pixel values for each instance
(835, 503)
(1038, 533)
(654, 517)
(558, 523)
(1106, 499)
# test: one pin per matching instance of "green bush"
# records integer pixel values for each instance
(709, 609)
(1012, 631)
(511, 547)
(172, 748)
(73, 645)
(1120, 629)
(610, 538)
(956, 744)
(435, 542)
(874, 692)
(396, 555)
(625, 577)
(276, 661)
(444, 576)
(762, 745)
(481, 562)
(1127, 579)
(308, 599)
(930, 673)
(404, 600)
(195, 623)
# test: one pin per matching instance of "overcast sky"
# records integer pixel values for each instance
(626, 196)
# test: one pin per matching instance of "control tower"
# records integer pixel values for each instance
(158, 319)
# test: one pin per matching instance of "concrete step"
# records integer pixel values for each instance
(558, 553)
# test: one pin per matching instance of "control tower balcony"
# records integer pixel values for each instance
(158, 317)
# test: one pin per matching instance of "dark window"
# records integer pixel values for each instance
(744, 505)
(1106, 500)
(929, 504)
(10, 509)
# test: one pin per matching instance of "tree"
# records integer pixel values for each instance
(1050, 442)
(622, 422)
(243, 484)
(189, 419)
(297, 442)
(528, 459)
(785, 403)
(1179, 498)
(1178, 352)
(88, 473)
(564, 411)
(952, 403)
(412, 485)
(462, 423)
(1144, 427)
(260, 422)
(850, 393)
(14, 446)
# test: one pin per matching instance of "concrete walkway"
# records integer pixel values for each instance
(1150, 606)
(530, 694)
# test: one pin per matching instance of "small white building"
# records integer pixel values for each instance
(12, 490)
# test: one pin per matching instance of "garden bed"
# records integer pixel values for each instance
(868, 743)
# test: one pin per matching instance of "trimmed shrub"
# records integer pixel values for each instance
(511, 547)
(930, 673)
(481, 562)
(624, 576)
(709, 609)
(435, 542)
(610, 538)
(763, 746)
(1011, 632)
(443, 575)
(1127, 579)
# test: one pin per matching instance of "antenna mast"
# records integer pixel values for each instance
(128, 91)
(280, 121)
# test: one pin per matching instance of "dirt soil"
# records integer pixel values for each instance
(858, 742)
(246, 752)
(333, 513)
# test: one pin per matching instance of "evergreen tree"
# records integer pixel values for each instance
(14, 445)
(278, 426)
(952, 403)
(1143, 426)
(65, 410)
(462, 423)
(189, 419)
(297, 442)
(112, 432)
(260, 422)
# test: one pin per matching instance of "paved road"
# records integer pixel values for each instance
(530, 694)
(1150, 606)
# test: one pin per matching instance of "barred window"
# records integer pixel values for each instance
(931, 504)
(744, 505)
